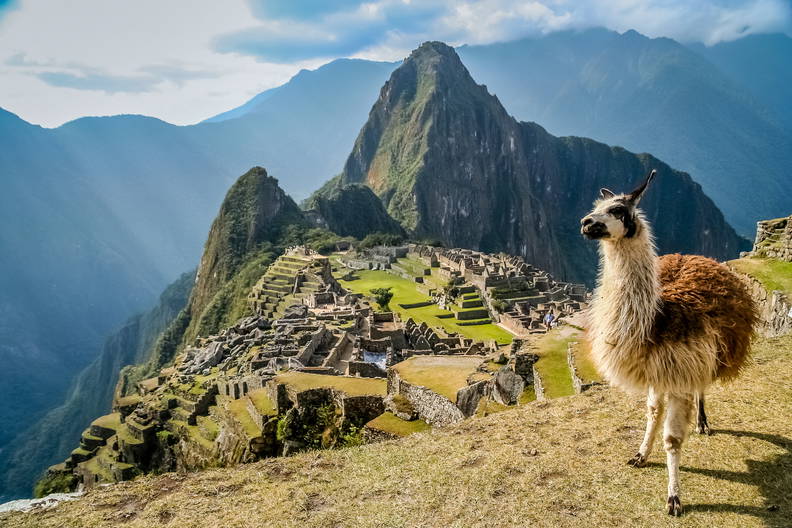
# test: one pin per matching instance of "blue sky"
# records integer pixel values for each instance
(184, 60)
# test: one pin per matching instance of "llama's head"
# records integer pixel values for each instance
(615, 216)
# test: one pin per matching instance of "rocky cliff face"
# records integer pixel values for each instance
(449, 162)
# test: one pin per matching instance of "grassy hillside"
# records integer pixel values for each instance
(555, 463)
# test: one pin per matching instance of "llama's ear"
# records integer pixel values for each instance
(607, 193)
(635, 196)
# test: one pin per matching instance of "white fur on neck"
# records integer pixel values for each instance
(626, 301)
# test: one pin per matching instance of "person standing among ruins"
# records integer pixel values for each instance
(548, 320)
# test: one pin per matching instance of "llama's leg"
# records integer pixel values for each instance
(702, 426)
(654, 413)
(680, 408)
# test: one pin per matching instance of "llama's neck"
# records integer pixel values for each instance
(628, 295)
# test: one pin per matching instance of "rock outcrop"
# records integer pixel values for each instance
(350, 210)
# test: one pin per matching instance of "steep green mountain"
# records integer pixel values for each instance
(255, 214)
(658, 96)
(350, 210)
(91, 394)
(450, 163)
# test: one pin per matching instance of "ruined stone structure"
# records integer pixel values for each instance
(516, 294)
(773, 239)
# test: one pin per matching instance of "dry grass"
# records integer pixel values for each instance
(559, 463)
(350, 385)
(445, 375)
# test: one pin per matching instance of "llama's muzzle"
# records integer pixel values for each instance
(591, 229)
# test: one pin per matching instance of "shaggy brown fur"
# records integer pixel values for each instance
(697, 292)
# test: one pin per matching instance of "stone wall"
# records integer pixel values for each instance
(578, 383)
(774, 308)
(431, 407)
(774, 239)
(537, 383)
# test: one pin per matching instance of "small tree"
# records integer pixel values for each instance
(382, 296)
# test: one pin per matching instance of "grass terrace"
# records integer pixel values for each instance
(405, 292)
(238, 408)
(109, 421)
(352, 386)
(262, 402)
(444, 375)
(553, 367)
(390, 423)
(773, 274)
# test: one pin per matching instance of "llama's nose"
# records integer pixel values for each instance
(586, 221)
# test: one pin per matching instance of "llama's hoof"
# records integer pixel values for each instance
(704, 429)
(674, 507)
(638, 461)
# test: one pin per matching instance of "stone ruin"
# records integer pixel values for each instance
(773, 239)
(524, 292)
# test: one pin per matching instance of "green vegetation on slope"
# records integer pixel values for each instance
(390, 423)
(773, 274)
(552, 365)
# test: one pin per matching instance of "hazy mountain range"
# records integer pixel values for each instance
(100, 214)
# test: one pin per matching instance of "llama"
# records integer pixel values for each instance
(666, 326)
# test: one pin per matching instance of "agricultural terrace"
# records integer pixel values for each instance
(553, 367)
(406, 292)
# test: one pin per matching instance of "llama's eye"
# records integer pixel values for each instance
(618, 211)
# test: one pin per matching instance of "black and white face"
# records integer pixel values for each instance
(614, 217)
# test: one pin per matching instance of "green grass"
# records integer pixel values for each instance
(109, 421)
(262, 402)
(405, 292)
(350, 385)
(390, 423)
(444, 375)
(124, 434)
(527, 396)
(238, 408)
(773, 274)
(413, 266)
(585, 366)
(552, 365)
(195, 434)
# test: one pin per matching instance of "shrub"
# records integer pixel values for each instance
(382, 296)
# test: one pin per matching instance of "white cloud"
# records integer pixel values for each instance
(62, 60)
(170, 41)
